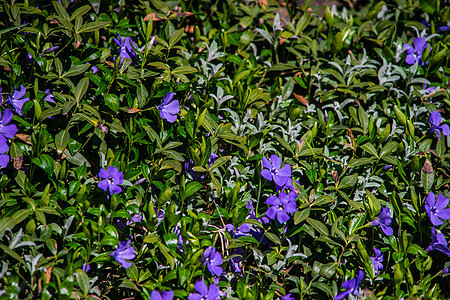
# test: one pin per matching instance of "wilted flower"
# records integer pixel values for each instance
(377, 260)
(49, 97)
(351, 286)
(387, 168)
(438, 242)
(213, 260)
(273, 172)
(180, 245)
(135, 218)
(166, 295)
(94, 69)
(123, 253)
(169, 109)
(435, 120)
(204, 293)
(436, 208)
(414, 54)
(51, 49)
(243, 230)
(112, 179)
(17, 100)
(126, 48)
(281, 206)
(384, 220)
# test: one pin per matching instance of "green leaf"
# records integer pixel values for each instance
(273, 238)
(300, 216)
(46, 162)
(112, 101)
(165, 196)
(76, 70)
(191, 188)
(62, 140)
(284, 144)
(348, 181)
(319, 226)
(60, 10)
(79, 12)
(142, 95)
(161, 6)
(83, 282)
(220, 161)
(391, 146)
(92, 26)
(81, 89)
(176, 37)
(6, 223)
(133, 273)
(368, 147)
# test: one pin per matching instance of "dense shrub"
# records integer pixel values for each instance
(224, 149)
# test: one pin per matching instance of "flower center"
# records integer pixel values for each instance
(110, 180)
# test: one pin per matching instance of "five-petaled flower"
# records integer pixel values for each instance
(112, 179)
(124, 253)
(273, 172)
(281, 206)
(438, 242)
(414, 54)
(377, 260)
(166, 295)
(384, 220)
(436, 208)
(211, 293)
(126, 47)
(213, 260)
(351, 286)
(169, 108)
(17, 99)
(6, 131)
(435, 120)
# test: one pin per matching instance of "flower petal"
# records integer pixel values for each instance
(7, 117)
(201, 287)
(435, 118)
(103, 173)
(444, 214)
(103, 185)
(285, 171)
(114, 189)
(431, 199)
(441, 202)
(420, 44)
(387, 230)
(266, 174)
(273, 200)
(271, 212)
(445, 129)
(276, 161)
(282, 217)
(266, 163)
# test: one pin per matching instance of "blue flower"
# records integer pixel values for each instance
(435, 120)
(384, 220)
(17, 99)
(126, 48)
(112, 179)
(377, 260)
(281, 206)
(204, 293)
(213, 260)
(435, 208)
(124, 253)
(438, 242)
(287, 297)
(414, 54)
(351, 286)
(169, 109)
(166, 295)
(50, 97)
(273, 171)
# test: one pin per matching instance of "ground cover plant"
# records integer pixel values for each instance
(224, 149)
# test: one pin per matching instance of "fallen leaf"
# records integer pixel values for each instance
(301, 99)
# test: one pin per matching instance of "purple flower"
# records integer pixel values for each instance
(213, 260)
(387, 168)
(435, 208)
(281, 206)
(204, 293)
(135, 218)
(243, 230)
(445, 270)
(384, 220)
(287, 297)
(4, 160)
(123, 253)
(169, 109)
(51, 49)
(435, 120)
(235, 261)
(17, 100)
(6, 131)
(86, 268)
(377, 260)
(49, 97)
(166, 295)
(438, 242)
(112, 179)
(351, 286)
(126, 48)
(273, 172)
(94, 69)
(414, 54)
(180, 245)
